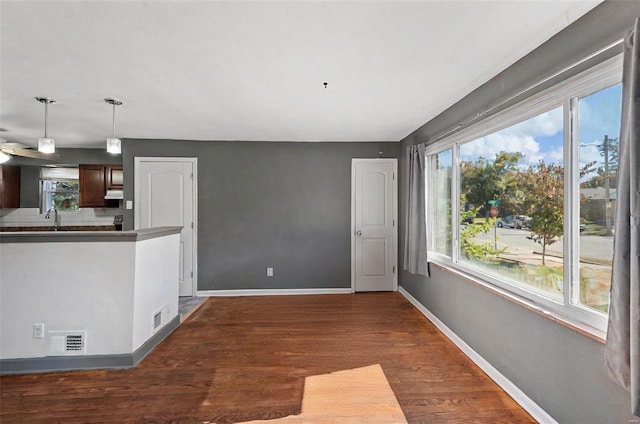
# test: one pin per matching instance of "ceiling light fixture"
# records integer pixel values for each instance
(114, 145)
(46, 145)
(4, 157)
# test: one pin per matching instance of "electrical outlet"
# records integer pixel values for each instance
(269, 272)
(38, 331)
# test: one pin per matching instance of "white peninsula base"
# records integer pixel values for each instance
(86, 300)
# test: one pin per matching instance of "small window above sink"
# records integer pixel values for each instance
(59, 188)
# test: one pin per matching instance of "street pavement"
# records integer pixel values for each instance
(598, 249)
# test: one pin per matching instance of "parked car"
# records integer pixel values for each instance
(514, 221)
(469, 219)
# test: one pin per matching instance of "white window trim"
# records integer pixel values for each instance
(599, 77)
(61, 174)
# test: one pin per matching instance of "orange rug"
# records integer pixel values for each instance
(361, 395)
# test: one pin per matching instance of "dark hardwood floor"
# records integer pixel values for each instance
(243, 358)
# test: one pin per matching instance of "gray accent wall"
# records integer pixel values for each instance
(558, 368)
(267, 204)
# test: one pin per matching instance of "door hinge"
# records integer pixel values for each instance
(394, 176)
(192, 175)
(394, 222)
(192, 225)
(394, 269)
(192, 274)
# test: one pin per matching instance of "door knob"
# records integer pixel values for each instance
(359, 233)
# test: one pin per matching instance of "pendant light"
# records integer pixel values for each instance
(46, 145)
(114, 145)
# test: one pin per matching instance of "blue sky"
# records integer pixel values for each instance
(541, 137)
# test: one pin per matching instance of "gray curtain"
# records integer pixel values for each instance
(415, 238)
(622, 360)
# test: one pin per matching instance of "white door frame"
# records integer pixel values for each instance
(353, 217)
(194, 181)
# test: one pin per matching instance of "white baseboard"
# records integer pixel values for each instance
(511, 389)
(271, 292)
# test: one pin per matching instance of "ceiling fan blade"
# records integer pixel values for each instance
(28, 153)
(6, 145)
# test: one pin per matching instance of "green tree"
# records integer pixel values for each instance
(485, 180)
(598, 181)
(544, 186)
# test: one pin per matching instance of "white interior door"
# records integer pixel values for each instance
(165, 196)
(374, 238)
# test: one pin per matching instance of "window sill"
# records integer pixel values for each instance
(584, 329)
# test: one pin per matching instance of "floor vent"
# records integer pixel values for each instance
(66, 343)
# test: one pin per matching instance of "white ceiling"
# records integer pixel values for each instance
(214, 70)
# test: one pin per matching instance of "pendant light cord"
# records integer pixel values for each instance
(46, 110)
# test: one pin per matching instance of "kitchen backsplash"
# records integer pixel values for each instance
(33, 217)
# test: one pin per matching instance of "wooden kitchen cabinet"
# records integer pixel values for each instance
(93, 186)
(114, 177)
(9, 187)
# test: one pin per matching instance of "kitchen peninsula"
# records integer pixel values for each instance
(86, 299)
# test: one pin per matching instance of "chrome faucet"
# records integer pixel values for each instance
(55, 217)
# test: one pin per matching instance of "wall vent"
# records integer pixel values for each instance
(74, 343)
(66, 343)
(157, 320)
(160, 317)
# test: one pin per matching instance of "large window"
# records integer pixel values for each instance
(525, 200)
(514, 177)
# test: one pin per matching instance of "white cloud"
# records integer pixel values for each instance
(556, 155)
(521, 138)
(589, 152)
(546, 124)
(488, 146)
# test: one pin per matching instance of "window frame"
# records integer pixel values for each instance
(430, 191)
(56, 174)
(566, 94)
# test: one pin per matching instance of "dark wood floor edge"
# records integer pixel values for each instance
(87, 362)
(520, 397)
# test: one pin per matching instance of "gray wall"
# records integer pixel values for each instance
(285, 205)
(30, 169)
(561, 370)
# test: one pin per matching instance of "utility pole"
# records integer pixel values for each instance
(607, 203)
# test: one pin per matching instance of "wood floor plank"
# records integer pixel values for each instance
(246, 358)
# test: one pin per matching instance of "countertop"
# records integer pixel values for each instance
(61, 228)
(86, 236)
